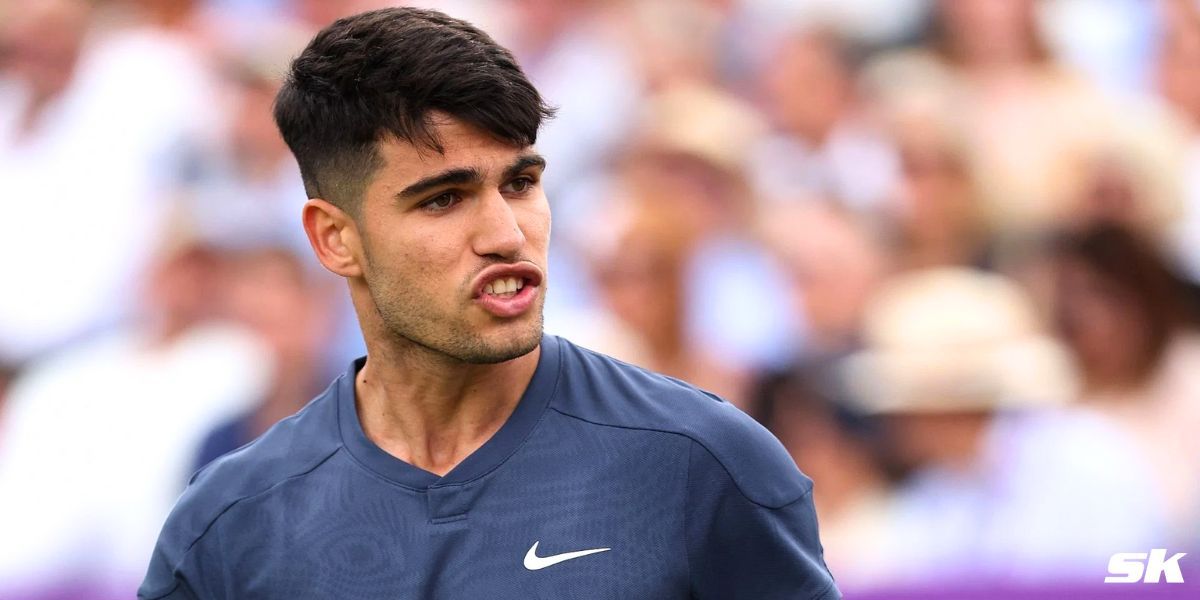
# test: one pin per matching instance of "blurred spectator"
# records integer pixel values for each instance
(686, 164)
(7, 374)
(1179, 58)
(271, 291)
(997, 51)
(687, 154)
(1035, 131)
(835, 264)
(642, 280)
(1003, 485)
(89, 119)
(935, 211)
(244, 187)
(1178, 79)
(824, 144)
(319, 13)
(1112, 42)
(678, 41)
(239, 21)
(98, 440)
(577, 56)
(876, 23)
(841, 450)
(1125, 316)
(165, 15)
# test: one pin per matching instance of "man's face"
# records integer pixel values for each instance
(446, 237)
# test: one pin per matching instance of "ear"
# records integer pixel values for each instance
(334, 237)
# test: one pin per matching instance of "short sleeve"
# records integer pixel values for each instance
(191, 573)
(187, 563)
(739, 548)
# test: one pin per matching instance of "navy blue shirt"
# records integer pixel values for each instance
(225, 438)
(607, 481)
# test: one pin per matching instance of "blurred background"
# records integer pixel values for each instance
(947, 251)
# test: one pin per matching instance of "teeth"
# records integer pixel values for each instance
(508, 285)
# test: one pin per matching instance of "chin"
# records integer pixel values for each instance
(513, 340)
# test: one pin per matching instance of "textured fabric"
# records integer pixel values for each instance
(689, 497)
(223, 439)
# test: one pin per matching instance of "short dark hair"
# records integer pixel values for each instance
(379, 74)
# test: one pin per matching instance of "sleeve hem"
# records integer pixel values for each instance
(831, 592)
(161, 594)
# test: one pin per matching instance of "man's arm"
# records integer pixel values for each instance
(747, 545)
(187, 563)
(181, 569)
(180, 591)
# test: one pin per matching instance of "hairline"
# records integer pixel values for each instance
(352, 194)
(342, 172)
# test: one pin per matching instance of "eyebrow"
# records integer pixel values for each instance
(522, 163)
(452, 177)
(468, 175)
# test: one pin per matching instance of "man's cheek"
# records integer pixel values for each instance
(537, 233)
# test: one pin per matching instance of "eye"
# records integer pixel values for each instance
(441, 202)
(519, 185)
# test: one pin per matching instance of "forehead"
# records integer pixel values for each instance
(463, 146)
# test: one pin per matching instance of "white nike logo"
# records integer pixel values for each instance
(533, 562)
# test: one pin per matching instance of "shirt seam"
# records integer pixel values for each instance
(517, 447)
(353, 457)
(177, 585)
(170, 591)
(377, 475)
(824, 591)
(211, 523)
(699, 443)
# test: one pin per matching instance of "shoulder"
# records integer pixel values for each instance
(291, 448)
(607, 392)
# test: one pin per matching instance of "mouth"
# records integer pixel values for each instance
(508, 290)
(506, 287)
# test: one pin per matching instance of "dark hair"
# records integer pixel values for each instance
(1135, 268)
(379, 74)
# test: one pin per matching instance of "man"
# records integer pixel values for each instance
(469, 455)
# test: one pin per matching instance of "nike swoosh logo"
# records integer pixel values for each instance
(533, 562)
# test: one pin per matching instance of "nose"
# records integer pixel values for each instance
(498, 233)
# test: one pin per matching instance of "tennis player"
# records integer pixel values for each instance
(469, 455)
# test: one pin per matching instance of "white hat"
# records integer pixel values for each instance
(703, 122)
(955, 340)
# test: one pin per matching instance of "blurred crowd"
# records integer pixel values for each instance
(948, 251)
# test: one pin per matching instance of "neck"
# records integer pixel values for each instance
(431, 410)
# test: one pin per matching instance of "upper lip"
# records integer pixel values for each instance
(522, 270)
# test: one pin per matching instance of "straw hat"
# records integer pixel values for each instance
(956, 340)
(703, 122)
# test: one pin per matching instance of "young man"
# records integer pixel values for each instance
(469, 455)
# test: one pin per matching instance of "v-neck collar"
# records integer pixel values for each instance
(487, 457)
